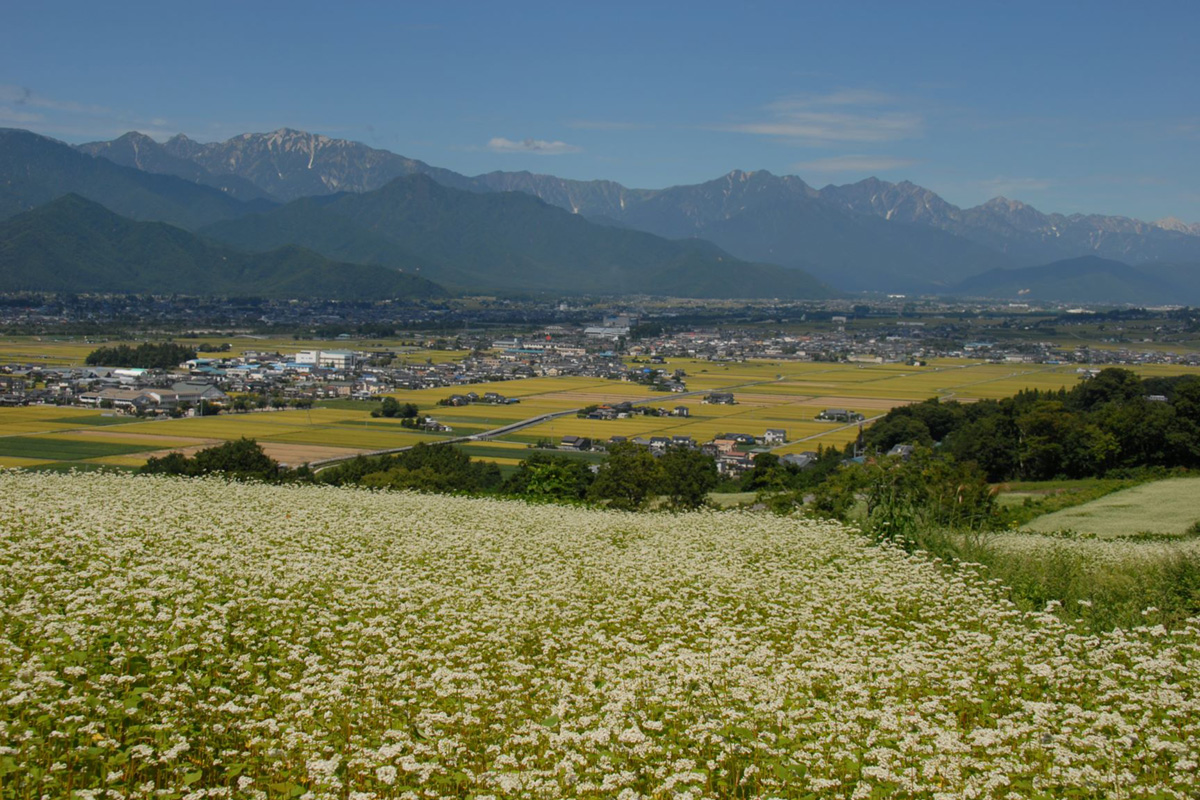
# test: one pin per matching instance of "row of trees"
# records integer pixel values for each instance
(243, 459)
(631, 478)
(164, 355)
(392, 408)
(429, 468)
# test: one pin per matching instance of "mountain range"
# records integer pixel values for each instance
(75, 245)
(508, 241)
(352, 202)
(412, 227)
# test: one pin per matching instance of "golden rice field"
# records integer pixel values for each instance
(73, 350)
(771, 394)
(789, 395)
(35, 435)
(166, 638)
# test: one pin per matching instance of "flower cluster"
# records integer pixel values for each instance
(192, 638)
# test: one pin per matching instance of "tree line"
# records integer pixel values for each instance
(1111, 422)
(630, 478)
(164, 355)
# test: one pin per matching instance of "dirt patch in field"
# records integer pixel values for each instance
(293, 455)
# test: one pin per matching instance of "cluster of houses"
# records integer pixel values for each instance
(839, 415)
(733, 452)
(470, 398)
(627, 409)
(129, 390)
(176, 398)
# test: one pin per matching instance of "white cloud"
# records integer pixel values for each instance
(539, 147)
(848, 115)
(854, 163)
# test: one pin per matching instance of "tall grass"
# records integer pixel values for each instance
(1101, 585)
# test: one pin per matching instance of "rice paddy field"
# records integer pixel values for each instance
(787, 395)
(167, 638)
(73, 350)
(43, 435)
(790, 395)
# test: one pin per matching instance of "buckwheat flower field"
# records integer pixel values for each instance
(165, 638)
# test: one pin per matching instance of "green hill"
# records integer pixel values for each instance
(1088, 279)
(73, 244)
(506, 241)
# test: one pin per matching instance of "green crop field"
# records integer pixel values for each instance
(52, 351)
(36, 419)
(200, 638)
(1168, 508)
(55, 449)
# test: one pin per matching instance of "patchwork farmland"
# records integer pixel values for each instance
(769, 394)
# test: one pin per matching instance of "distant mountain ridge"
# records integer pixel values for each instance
(73, 244)
(868, 236)
(862, 236)
(509, 241)
(290, 164)
(482, 240)
(139, 151)
(35, 169)
(1087, 279)
(1020, 230)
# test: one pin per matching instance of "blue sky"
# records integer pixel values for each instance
(1076, 107)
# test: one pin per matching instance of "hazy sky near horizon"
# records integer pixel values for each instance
(1075, 107)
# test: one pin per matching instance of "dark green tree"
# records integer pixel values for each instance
(165, 355)
(550, 477)
(243, 458)
(628, 479)
(687, 477)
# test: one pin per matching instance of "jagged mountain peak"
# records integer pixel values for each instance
(1177, 225)
(136, 136)
(290, 164)
(289, 136)
(1002, 202)
(902, 202)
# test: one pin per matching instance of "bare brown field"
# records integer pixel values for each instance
(295, 455)
(289, 455)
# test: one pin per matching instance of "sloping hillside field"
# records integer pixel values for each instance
(1162, 508)
(171, 638)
